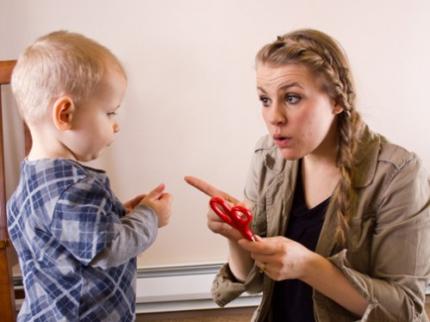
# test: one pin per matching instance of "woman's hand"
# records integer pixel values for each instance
(239, 261)
(280, 258)
(218, 226)
(215, 223)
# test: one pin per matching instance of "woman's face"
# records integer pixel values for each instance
(298, 114)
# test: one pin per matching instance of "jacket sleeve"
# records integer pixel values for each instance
(225, 287)
(400, 250)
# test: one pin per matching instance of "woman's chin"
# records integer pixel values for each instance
(290, 155)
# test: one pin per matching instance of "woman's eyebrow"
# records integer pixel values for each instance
(287, 86)
(283, 87)
(261, 89)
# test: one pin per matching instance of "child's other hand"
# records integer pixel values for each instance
(160, 202)
(131, 204)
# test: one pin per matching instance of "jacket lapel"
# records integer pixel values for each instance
(279, 208)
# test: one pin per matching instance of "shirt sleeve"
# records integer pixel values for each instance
(87, 223)
(136, 232)
(400, 250)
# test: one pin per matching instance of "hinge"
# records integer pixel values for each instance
(4, 243)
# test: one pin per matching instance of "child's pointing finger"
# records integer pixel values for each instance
(157, 192)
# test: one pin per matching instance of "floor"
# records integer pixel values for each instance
(218, 315)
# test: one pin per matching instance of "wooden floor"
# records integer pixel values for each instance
(217, 315)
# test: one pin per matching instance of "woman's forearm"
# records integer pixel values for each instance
(240, 261)
(327, 279)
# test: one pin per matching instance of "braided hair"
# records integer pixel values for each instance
(325, 59)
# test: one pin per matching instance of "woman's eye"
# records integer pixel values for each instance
(265, 100)
(292, 98)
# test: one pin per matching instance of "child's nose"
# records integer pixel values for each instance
(115, 128)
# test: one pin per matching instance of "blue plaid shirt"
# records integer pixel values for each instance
(77, 249)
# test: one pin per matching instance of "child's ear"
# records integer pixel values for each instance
(63, 112)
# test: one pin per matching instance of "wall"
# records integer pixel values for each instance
(191, 105)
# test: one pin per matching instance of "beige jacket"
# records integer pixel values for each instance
(387, 258)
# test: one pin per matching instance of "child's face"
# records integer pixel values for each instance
(95, 118)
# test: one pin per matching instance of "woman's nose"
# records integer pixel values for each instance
(277, 114)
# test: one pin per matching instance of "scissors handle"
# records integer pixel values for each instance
(219, 206)
(242, 217)
(238, 217)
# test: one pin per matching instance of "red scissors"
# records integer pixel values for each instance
(238, 217)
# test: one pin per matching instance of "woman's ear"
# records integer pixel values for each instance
(337, 109)
(63, 112)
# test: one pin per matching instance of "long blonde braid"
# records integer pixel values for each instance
(325, 59)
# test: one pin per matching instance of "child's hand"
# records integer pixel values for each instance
(131, 204)
(160, 202)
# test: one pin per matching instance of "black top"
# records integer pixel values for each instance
(292, 299)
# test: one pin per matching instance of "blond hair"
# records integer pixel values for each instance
(323, 56)
(59, 63)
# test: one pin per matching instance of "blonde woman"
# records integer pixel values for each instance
(341, 213)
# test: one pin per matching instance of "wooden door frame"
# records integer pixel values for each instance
(7, 296)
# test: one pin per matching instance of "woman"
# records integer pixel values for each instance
(342, 214)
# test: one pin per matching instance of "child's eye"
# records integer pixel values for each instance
(292, 98)
(265, 100)
(111, 114)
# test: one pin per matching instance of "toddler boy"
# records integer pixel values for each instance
(76, 242)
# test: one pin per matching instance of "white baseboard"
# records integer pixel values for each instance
(181, 288)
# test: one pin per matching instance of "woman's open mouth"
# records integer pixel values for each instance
(282, 141)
